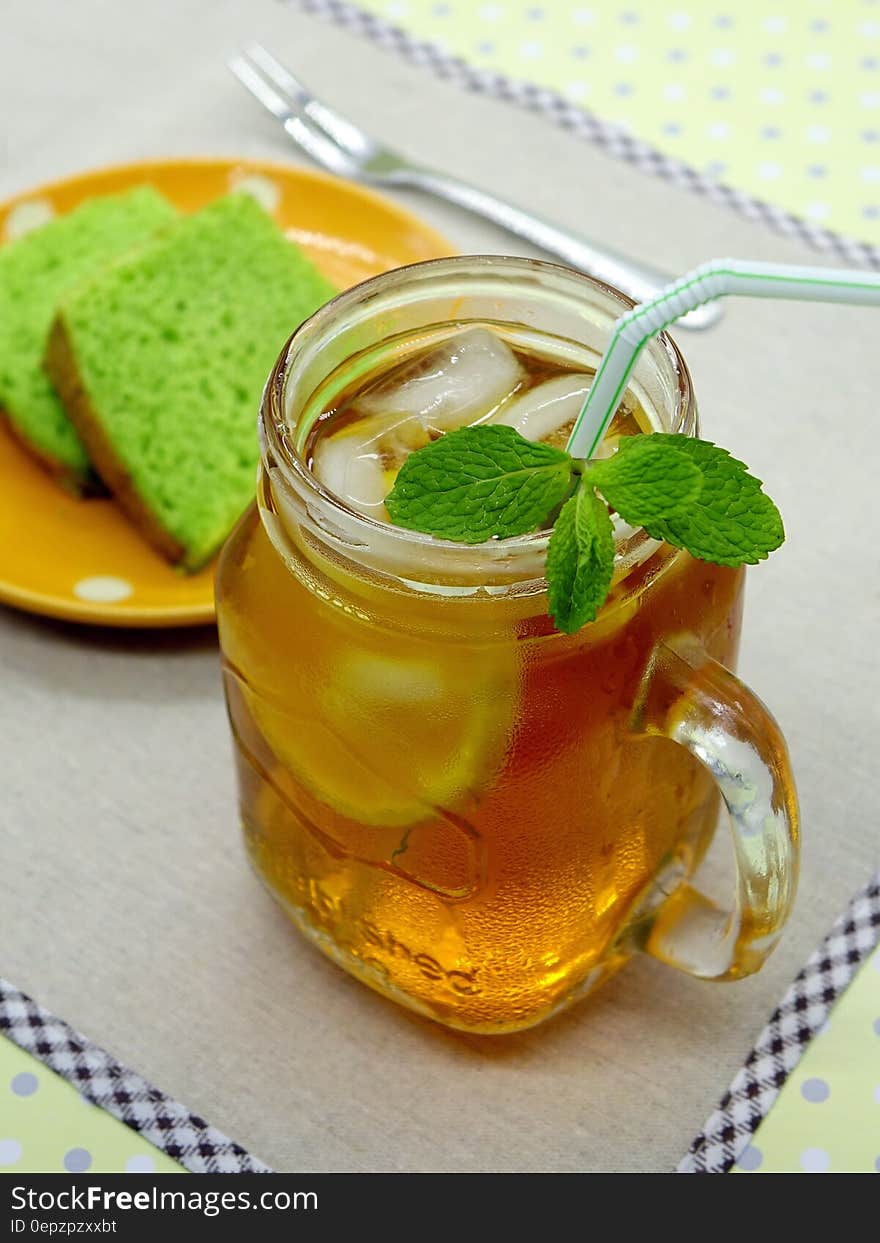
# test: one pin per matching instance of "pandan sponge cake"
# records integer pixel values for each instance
(35, 272)
(161, 360)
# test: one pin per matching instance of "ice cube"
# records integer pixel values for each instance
(461, 381)
(352, 468)
(548, 409)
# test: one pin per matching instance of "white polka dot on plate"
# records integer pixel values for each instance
(10, 1151)
(28, 216)
(266, 191)
(815, 1161)
(102, 589)
(141, 1164)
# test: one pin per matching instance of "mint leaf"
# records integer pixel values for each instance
(477, 483)
(732, 521)
(648, 479)
(580, 560)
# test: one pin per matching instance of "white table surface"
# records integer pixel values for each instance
(125, 902)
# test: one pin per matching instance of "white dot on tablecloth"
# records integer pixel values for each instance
(818, 60)
(102, 589)
(870, 99)
(815, 1161)
(870, 30)
(815, 1091)
(871, 173)
(772, 95)
(141, 1164)
(679, 21)
(877, 1094)
(818, 133)
(769, 171)
(774, 25)
(626, 53)
(750, 1158)
(718, 130)
(583, 17)
(490, 12)
(77, 1160)
(24, 1083)
(721, 56)
(531, 50)
(10, 1151)
(674, 91)
(817, 211)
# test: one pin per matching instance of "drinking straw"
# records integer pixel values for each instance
(715, 279)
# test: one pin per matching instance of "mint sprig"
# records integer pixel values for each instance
(479, 483)
(488, 482)
(580, 560)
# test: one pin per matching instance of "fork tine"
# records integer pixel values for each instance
(343, 131)
(303, 131)
(259, 88)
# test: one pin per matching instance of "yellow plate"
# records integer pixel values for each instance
(82, 560)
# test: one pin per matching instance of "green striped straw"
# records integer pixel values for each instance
(715, 279)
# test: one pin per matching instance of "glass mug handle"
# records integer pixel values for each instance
(693, 700)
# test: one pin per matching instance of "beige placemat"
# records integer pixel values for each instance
(125, 904)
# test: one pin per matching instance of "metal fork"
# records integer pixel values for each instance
(341, 146)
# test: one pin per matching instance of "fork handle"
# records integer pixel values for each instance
(639, 280)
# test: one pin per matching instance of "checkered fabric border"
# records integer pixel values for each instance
(614, 139)
(779, 1048)
(98, 1077)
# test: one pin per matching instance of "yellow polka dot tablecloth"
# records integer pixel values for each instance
(46, 1126)
(773, 107)
(67, 1105)
(807, 1099)
(828, 1119)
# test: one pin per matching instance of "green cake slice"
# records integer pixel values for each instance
(36, 271)
(161, 361)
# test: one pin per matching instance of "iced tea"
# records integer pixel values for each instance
(443, 792)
